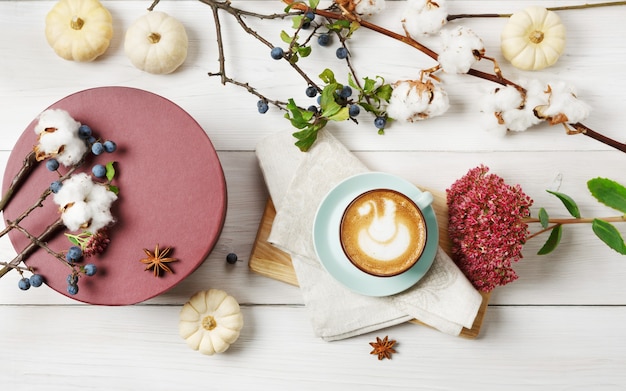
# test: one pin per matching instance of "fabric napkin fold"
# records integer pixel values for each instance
(298, 182)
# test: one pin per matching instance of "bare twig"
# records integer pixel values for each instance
(27, 166)
(50, 231)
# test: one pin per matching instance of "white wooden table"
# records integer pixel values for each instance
(559, 327)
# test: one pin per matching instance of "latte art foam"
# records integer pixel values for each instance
(387, 237)
(383, 232)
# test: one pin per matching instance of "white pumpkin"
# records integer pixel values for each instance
(79, 30)
(156, 43)
(210, 321)
(533, 38)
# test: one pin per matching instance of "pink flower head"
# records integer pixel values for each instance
(486, 226)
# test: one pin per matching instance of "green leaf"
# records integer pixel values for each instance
(553, 240)
(609, 235)
(297, 21)
(569, 203)
(327, 76)
(286, 37)
(608, 192)
(306, 137)
(304, 51)
(351, 82)
(384, 92)
(110, 170)
(543, 217)
(73, 240)
(314, 3)
(114, 189)
(369, 84)
(342, 115)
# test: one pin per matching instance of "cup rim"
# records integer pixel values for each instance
(410, 264)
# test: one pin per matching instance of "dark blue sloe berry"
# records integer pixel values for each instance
(55, 186)
(72, 279)
(262, 106)
(310, 15)
(97, 148)
(277, 53)
(345, 92)
(354, 110)
(231, 258)
(90, 269)
(74, 254)
(380, 122)
(52, 164)
(311, 91)
(23, 284)
(312, 108)
(99, 171)
(36, 280)
(109, 146)
(72, 289)
(323, 39)
(84, 132)
(341, 53)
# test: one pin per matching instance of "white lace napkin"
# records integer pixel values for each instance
(297, 182)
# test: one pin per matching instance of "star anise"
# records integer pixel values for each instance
(157, 260)
(383, 347)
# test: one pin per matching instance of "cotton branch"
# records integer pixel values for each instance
(496, 78)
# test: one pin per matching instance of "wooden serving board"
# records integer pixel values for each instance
(271, 262)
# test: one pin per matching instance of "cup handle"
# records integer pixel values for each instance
(423, 200)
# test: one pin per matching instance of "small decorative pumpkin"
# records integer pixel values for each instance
(533, 38)
(210, 321)
(156, 43)
(79, 30)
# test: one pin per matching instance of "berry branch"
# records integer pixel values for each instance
(84, 203)
(342, 19)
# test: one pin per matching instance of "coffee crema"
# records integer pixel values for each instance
(383, 232)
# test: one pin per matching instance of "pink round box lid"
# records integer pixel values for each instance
(172, 194)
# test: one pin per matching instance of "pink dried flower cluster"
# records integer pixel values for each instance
(97, 243)
(486, 227)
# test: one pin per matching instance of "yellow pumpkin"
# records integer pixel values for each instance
(156, 43)
(210, 321)
(533, 38)
(79, 30)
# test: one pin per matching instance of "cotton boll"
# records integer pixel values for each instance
(563, 106)
(75, 188)
(369, 7)
(413, 100)
(459, 47)
(100, 217)
(513, 110)
(424, 17)
(99, 201)
(58, 137)
(56, 118)
(76, 215)
(101, 195)
(72, 152)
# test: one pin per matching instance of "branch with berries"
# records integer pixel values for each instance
(84, 200)
(511, 107)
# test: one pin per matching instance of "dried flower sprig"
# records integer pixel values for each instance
(489, 224)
